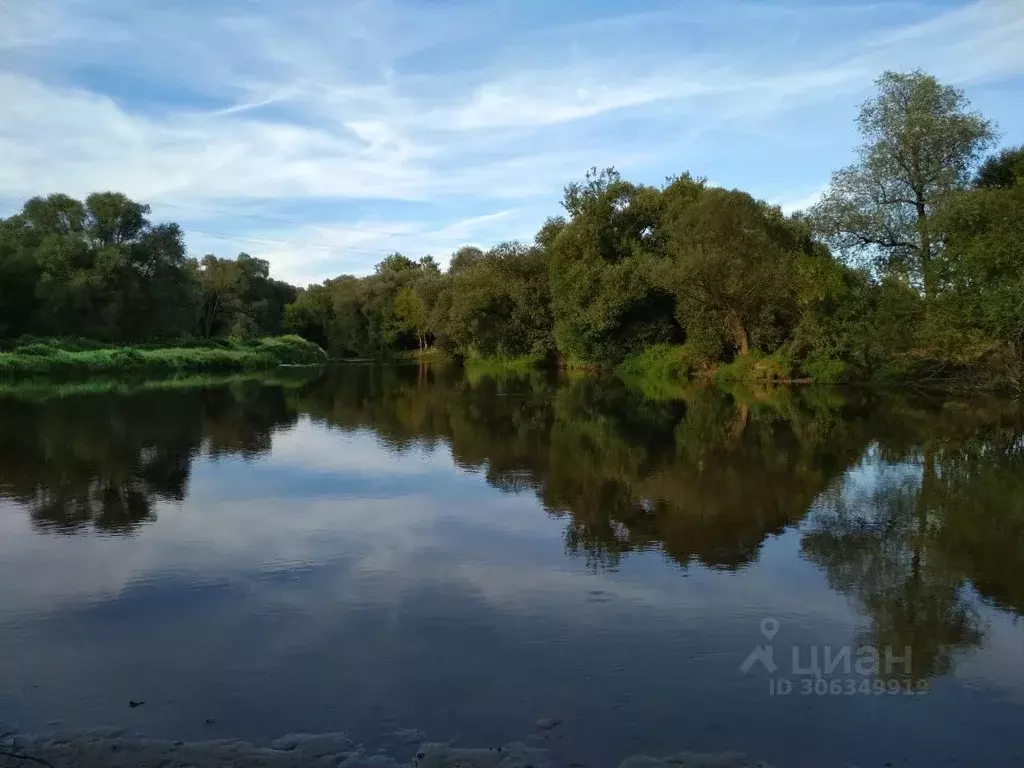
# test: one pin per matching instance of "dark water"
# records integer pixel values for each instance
(403, 547)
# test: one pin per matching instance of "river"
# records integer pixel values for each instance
(813, 577)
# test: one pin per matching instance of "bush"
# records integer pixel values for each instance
(824, 368)
(670, 363)
(757, 367)
(37, 349)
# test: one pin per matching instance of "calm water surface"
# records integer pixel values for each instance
(386, 547)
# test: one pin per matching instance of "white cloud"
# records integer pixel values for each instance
(378, 103)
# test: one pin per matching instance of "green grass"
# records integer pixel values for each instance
(55, 357)
(668, 372)
(663, 371)
(756, 367)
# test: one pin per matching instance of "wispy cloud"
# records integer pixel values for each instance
(426, 120)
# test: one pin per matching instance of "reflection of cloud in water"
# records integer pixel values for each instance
(310, 447)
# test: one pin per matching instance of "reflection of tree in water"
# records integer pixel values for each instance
(104, 461)
(708, 479)
(943, 510)
(880, 547)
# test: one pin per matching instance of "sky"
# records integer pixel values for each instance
(324, 134)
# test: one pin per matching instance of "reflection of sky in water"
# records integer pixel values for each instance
(336, 584)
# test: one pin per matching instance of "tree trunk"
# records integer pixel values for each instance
(925, 248)
(739, 334)
(211, 316)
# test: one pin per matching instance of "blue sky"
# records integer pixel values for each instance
(323, 134)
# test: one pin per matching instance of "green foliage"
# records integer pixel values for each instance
(498, 307)
(52, 358)
(758, 368)
(664, 284)
(920, 142)
(732, 263)
(606, 302)
(240, 299)
(868, 325)
(671, 363)
(823, 367)
(1002, 171)
(100, 269)
(982, 273)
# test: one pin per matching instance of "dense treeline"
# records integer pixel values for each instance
(99, 269)
(910, 268)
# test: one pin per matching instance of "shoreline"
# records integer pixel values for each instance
(57, 357)
(114, 748)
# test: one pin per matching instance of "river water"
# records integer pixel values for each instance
(813, 577)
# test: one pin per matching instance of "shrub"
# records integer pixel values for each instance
(757, 367)
(824, 368)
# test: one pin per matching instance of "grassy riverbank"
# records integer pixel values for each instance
(59, 357)
(667, 371)
(664, 371)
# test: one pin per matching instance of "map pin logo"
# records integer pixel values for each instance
(769, 628)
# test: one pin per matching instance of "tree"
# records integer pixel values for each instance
(604, 299)
(464, 258)
(311, 314)
(220, 280)
(731, 264)
(114, 219)
(1001, 171)
(19, 275)
(921, 141)
(98, 269)
(499, 306)
(412, 314)
(982, 271)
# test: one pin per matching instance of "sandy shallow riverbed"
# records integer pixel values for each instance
(113, 748)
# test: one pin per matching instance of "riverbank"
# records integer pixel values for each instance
(666, 371)
(112, 748)
(61, 357)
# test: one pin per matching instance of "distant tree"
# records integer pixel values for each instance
(396, 262)
(550, 231)
(311, 314)
(1002, 171)
(499, 306)
(412, 314)
(921, 141)
(220, 279)
(464, 258)
(428, 265)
